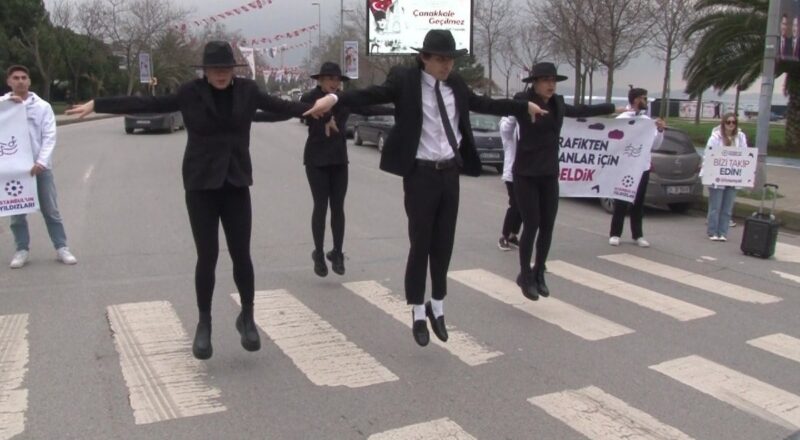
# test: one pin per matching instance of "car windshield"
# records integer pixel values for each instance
(675, 143)
(484, 122)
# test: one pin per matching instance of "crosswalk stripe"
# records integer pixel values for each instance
(601, 416)
(570, 318)
(459, 343)
(787, 276)
(675, 308)
(697, 281)
(164, 381)
(14, 354)
(739, 390)
(787, 253)
(780, 344)
(435, 429)
(320, 351)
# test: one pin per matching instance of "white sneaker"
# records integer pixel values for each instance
(19, 259)
(723, 238)
(642, 242)
(732, 224)
(713, 237)
(613, 241)
(65, 256)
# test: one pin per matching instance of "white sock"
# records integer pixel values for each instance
(419, 312)
(438, 307)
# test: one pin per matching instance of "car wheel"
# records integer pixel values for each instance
(380, 143)
(680, 208)
(357, 138)
(607, 204)
(128, 130)
(171, 126)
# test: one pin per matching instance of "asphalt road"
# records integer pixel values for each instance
(687, 339)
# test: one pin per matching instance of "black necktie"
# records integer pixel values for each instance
(448, 129)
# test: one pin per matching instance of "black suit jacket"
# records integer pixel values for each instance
(788, 50)
(403, 87)
(217, 149)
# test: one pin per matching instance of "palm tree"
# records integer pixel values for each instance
(729, 53)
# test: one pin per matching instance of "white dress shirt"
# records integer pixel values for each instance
(433, 144)
(41, 127)
(509, 134)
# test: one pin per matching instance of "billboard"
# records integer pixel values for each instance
(350, 57)
(395, 27)
(145, 68)
(789, 31)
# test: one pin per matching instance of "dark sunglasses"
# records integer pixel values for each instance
(730, 122)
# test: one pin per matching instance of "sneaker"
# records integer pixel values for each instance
(732, 224)
(613, 241)
(642, 242)
(723, 238)
(513, 241)
(65, 256)
(713, 237)
(19, 259)
(503, 244)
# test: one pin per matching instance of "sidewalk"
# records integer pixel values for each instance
(66, 120)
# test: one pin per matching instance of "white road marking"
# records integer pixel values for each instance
(741, 391)
(601, 416)
(164, 381)
(787, 276)
(88, 174)
(675, 308)
(570, 318)
(780, 344)
(14, 355)
(708, 258)
(459, 343)
(440, 429)
(787, 253)
(320, 351)
(697, 281)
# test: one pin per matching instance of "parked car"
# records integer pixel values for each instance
(167, 122)
(351, 123)
(486, 131)
(373, 129)
(674, 174)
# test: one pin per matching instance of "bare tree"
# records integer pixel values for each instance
(673, 18)
(617, 30)
(492, 24)
(40, 43)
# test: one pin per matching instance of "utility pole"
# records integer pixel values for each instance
(767, 87)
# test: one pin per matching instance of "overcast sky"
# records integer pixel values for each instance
(286, 15)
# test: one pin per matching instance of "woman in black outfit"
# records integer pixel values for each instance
(217, 172)
(536, 172)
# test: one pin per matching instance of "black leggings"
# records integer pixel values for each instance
(328, 185)
(206, 208)
(537, 200)
(512, 221)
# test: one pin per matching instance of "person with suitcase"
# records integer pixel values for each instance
(721, 198)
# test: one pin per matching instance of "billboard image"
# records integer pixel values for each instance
(395, 27)
(789, 31)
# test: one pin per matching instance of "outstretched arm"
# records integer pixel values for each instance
(280, 106)
(262, 116)
(127, 104)
(504, 107)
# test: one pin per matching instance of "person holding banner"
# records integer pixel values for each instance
(217, 173)
(42, 131)
(637, 108)
(429, 144)
(721, 198)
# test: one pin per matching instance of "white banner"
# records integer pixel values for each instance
(18, 194)
(395, 27)
(145, 68)
(726, 166)
(604, 157)
(350, 57)
(249, 55)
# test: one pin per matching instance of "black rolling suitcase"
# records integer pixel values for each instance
(761, 230)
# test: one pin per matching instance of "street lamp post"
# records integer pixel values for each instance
(319, 24)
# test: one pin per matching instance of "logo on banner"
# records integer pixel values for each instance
(632, 151)
(14, 188)
(628, 181)
(9, 148)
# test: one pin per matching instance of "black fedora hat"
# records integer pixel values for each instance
(218, 54)
(440, 42)
(329, 68)
(544, 69)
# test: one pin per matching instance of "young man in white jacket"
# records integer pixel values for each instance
(42, 129)
(637, 108)
(509, 133)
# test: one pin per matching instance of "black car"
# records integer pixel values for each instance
(373, 129)
(486, 131)
(165, 122)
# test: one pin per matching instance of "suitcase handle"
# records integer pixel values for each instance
(764, 196)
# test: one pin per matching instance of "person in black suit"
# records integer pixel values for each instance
(217, 173)
(536, 169)
(428, 145)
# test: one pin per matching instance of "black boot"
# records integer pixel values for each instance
(541, 286)
(201, 348)
(527, 283)
(247, 328)
(336, 257)
(320, 268)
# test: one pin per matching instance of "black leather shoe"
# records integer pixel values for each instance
(337, 261)
(541, 286)
(420, 331)
(201, 348)
(320, 268)
(527, 284)
(437, 324)
(251, 341)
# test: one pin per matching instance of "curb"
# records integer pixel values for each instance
(741, 210)
(76, 120)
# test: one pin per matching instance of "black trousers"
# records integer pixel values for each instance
(431, 202)
(537, 199)
(637, 211)
(206, 208)
(328, 186)
(513, 219)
